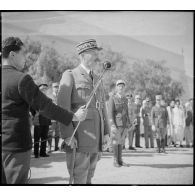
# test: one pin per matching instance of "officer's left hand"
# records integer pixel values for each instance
(73, 143)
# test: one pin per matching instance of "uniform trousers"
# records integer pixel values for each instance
(188, 134)
(148, 135)
(16, 166)
(136, 131)
(84, 166)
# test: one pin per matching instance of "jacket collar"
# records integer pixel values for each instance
(84, 73)
(9, 67)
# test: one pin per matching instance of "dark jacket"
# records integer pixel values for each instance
(19, 93)
(43, 121)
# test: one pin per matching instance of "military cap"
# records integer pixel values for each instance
(56, 84)
(87, 45)
(120, 82)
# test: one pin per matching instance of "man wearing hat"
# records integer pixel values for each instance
(134, 113)
(146, 117)
(159, 117)
(119, 121)
(75, 88)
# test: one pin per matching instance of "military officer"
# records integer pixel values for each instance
(146, 117)
(134, 113)
(159, 119)
(75, 88)
(119, 121)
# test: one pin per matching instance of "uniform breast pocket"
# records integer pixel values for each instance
(83, 90)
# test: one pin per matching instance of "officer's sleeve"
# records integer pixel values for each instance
(30, 92)
(111, 109)
(64, 100)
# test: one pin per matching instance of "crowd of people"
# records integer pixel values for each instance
(171, 125)
(100, 126)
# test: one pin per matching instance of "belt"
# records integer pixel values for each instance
(98, 105)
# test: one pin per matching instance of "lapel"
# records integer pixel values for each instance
(84, 74)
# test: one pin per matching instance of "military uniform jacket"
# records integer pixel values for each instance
(74, 91)
(134, 112)
(159, 116)
(146, 115)
(118, 111)
(19, 93)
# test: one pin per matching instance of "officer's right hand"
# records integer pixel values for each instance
(153, 128)
(80, 114)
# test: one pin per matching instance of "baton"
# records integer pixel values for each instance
(107, 65)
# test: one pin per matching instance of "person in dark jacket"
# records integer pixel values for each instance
(19, 93)
(41, 130)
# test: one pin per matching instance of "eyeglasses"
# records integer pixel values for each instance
(157, 99)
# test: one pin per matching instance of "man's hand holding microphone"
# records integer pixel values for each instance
(79, 115)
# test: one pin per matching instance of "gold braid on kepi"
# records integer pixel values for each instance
(90, 44)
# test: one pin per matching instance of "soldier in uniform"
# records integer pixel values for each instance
(159, 119)
(119, 121)
(75, 88)
(134, 115)
(146, 117)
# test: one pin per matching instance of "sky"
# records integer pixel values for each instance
(172, 31)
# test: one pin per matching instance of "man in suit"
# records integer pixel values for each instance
(19, 93)
(41, 130)
(134, 115)
(75, 88)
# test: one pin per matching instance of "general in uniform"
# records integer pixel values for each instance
(159, 117)
(119, 121)
(75, 88)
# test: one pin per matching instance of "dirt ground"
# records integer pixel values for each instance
(146, 168)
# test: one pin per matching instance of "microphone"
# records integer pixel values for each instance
(107, 65)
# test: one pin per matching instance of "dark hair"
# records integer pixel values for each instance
(44, 84)
(11, 44)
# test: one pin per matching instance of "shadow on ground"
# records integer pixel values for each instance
(163, 166)
(45, 180)
(45, 162)
(127, 154)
